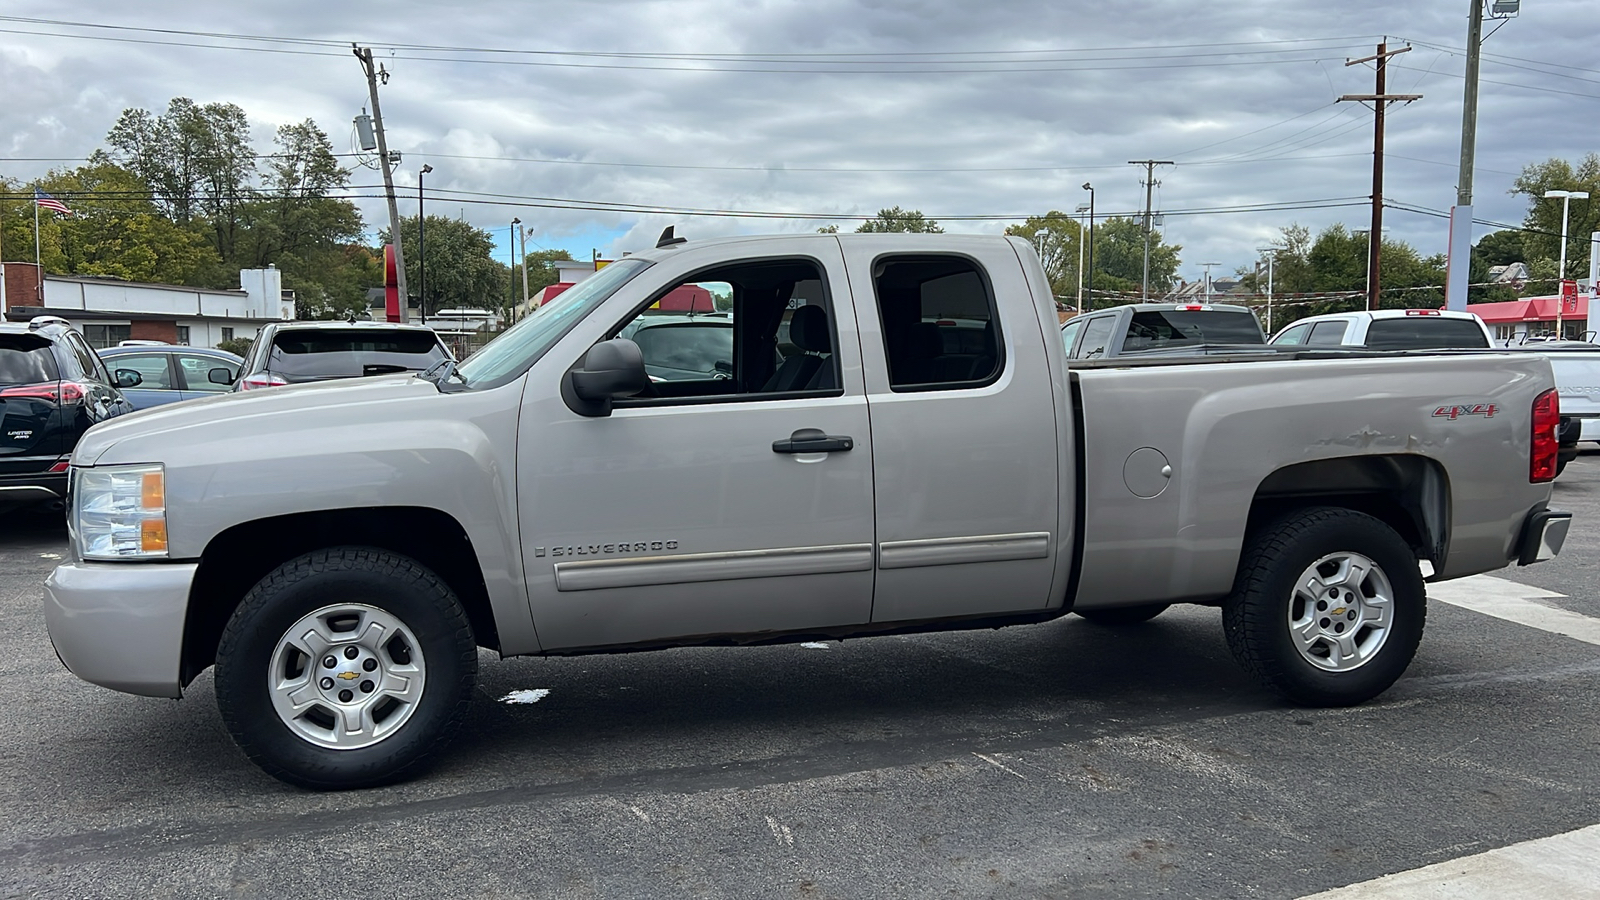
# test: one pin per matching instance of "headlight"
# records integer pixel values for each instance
(120, 512)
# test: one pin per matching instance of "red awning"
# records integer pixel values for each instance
(1533, 309)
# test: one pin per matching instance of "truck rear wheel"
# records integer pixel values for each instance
(1123, 615)
(1328, 607)
(345, 668)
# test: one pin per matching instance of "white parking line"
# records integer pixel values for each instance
(1505, 599)
(1563, 866)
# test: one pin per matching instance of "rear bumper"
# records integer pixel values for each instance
(1542, 536)
(120, 625)
(33, 487)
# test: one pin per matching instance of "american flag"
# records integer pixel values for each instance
(45, 201)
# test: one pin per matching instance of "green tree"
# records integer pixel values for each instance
(297, 226)
(1119, 259)
(115, 229)
(1055, 236)
(197, 158)
(1542, 240)
(461, 269)
(541, 265)
(902, 220)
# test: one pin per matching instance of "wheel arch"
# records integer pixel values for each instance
(1408, 492)
(238, 557)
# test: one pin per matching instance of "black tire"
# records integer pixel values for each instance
(1256, 616)
(395, 586)
(1120, 616)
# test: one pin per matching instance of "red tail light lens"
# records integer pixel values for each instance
(1545, 447)
(261, 380)
(65, 392)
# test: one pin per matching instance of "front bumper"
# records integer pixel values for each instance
(120, 625)
(1542, 536)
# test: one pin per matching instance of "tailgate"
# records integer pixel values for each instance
(29, 399)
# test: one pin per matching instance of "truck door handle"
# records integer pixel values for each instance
(813, 440)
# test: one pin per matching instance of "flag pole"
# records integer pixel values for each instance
(37, 264)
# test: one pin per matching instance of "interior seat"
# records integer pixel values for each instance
(808, 330)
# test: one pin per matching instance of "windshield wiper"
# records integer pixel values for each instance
(440, 372)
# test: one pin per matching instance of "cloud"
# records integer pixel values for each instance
(1050, 95)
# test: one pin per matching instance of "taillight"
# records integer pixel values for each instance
(1545, 446)
(261, 380)
(54, 391)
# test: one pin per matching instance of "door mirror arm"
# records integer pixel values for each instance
(610, 371)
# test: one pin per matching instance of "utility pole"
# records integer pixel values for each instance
(373, 74)
(1149, 184)
(524, 258)
(1459, 248)
(1380, 100)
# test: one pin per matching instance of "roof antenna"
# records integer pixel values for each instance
(667, 239)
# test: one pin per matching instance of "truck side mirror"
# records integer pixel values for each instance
(610, 370)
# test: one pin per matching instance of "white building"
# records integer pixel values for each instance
(109, 310)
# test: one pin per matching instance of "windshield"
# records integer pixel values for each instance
(520, 346)
(1152, 329)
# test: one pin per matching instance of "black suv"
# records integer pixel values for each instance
(298, 352)
(52, 389)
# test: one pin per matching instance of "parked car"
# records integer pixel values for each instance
(1168, 329)
(1576, 365)
(341, 552)
(52, 389)
(677, 348)
(299, 352)
(1389, 329)
(171, 373)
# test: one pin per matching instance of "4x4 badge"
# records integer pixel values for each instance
(1487, 410)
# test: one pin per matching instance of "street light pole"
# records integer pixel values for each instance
(1561, 272)
(1081, 209)
(422, 249)
(1272, 254)
(1090, 188)
(516, 222)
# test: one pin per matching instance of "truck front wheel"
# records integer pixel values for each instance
(345, 668)
(1328, 607)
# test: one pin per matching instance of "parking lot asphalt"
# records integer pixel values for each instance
(1053, 760)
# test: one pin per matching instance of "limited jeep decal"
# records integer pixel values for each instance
(602, 549)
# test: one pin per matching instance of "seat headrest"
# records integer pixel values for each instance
(808, 330)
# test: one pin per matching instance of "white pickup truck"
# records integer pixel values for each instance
(921, 458)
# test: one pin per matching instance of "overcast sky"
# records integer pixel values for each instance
(957, 109)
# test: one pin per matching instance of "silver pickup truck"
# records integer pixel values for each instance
(897, 444)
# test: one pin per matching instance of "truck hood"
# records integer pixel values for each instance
(276, 408)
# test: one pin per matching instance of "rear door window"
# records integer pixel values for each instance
(1327, 334)
(197, 372)
(314, 354)
(939, 323)
(1096, 335)
(1425, 333)
(25, 359)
